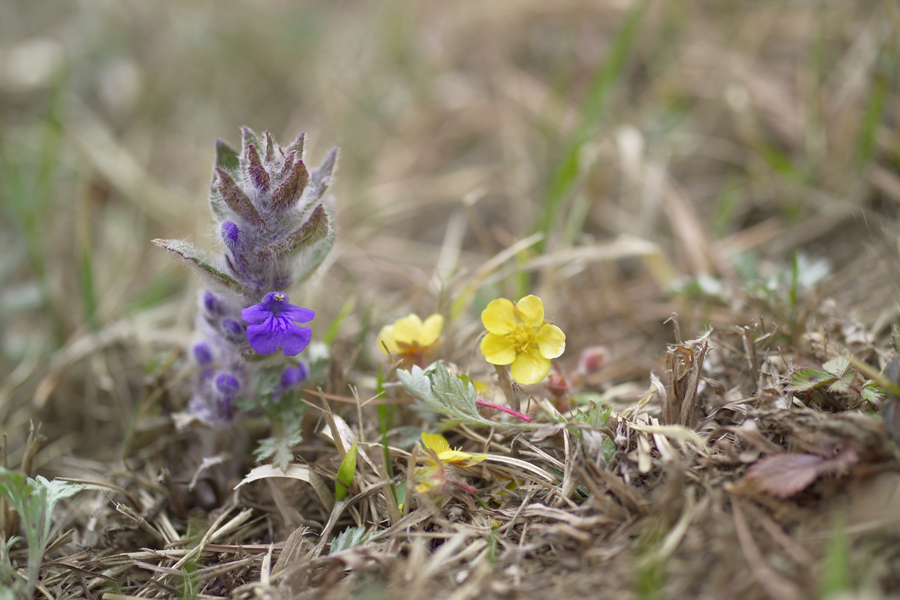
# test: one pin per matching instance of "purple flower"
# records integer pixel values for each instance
(272, 325)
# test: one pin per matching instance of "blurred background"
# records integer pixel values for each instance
(622, 159)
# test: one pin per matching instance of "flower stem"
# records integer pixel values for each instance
(462, 485)
(508, 411)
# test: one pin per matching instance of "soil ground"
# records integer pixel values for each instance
(704, 194)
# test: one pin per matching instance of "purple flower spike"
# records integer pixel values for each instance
(273, 326)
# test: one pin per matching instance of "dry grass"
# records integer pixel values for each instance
(659, 158)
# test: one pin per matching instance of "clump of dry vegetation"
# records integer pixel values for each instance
(704, 196)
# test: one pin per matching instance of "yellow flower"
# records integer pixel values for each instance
(441, 447)
(519, 335)
(410, 338)
(433, 478)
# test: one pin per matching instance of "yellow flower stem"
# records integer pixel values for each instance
(506, 383)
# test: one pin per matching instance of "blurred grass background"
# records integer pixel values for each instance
(638, 143)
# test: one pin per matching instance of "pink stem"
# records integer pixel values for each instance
(508, 411)
(462, 485)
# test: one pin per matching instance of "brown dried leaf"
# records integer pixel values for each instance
(784, 475)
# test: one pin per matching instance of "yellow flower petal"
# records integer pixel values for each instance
(387, 336)
(551, 341)
(454, 457)
(431, 329)
(475, 460)
(531, 310)
(497, 350)
(499, 317)
(408, 330)
(436, 442)
(530, 367)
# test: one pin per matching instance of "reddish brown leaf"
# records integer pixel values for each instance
(784, 475)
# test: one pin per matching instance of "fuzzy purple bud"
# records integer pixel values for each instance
(203, 354)
(231, 235)
(232, 327)
(227, 385)
(293, 376)
(212, 304)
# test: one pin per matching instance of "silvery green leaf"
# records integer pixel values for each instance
(312, 258)
(417, 384)
(450, 395)
(352, 536)
(203, 268)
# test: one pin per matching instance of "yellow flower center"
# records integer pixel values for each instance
(521, 338)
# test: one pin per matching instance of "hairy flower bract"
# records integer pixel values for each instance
(519, 336)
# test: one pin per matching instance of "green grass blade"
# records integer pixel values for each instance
(593, 110)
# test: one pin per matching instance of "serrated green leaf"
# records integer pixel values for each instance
(417, 383)
(808, 379)
(872, 392)
(266, 381)
(844, 384)
(345, 473)
(449, 395)
(201, 266)
(352, 536)
(279, 449)
(837, 366)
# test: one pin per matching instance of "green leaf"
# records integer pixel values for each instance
(837, 366)
(320, 176)
(34, 500)
(808, 379)
(345, 473)
(279, 449)
(227, 158)
(450, 395)
(871, 391)
(844, 384)
(203, 268)
(352, 536)
(266, 381)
